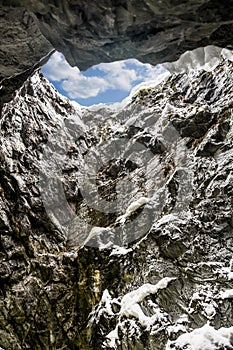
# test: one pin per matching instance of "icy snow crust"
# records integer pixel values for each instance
(130, 302)
(130, 307)
(204, 338)
(206, 58)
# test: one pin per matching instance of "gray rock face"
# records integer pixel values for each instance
(23, 49)
(103, 31)
(152, 31)
(95, 286)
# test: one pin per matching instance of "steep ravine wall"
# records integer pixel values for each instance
(170, 286)
(172, 278)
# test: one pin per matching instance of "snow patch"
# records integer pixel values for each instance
(95, 232)
(206, 58)
(170, 218)
(227, 294)
(226, 271)
(107, 301)
(130, 307)
(120, 251)
(204, 338)
(175, 329)
(132, 208)
(78, 106)
(112, 337)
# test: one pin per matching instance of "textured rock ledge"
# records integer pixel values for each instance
(56, 294)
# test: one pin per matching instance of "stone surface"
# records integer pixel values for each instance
(88, 33)
(23, 49)
(118, 291)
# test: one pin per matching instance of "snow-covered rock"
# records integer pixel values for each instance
(75, 276)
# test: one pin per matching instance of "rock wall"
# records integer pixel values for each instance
(96, 286)
(155, 274)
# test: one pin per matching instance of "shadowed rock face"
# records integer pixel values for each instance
(57, 294)
(88, 33)
(23, 49)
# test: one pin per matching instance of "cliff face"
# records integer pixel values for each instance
(106, 30)
(116, 226)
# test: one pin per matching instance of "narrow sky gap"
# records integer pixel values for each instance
(105, 83)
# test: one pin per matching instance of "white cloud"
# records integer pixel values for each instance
(84, 87)
(58, 69)
(146, 71)
(120, 75)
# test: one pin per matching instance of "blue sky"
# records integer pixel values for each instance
(104, 83)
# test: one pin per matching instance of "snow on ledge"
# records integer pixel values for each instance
(204, 338)
(132, 208)
(227, 294)
(130, 307)
(129, 302)
(206, 58)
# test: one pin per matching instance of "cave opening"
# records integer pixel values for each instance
(105, 83)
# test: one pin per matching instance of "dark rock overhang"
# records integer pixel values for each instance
(88, 33)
